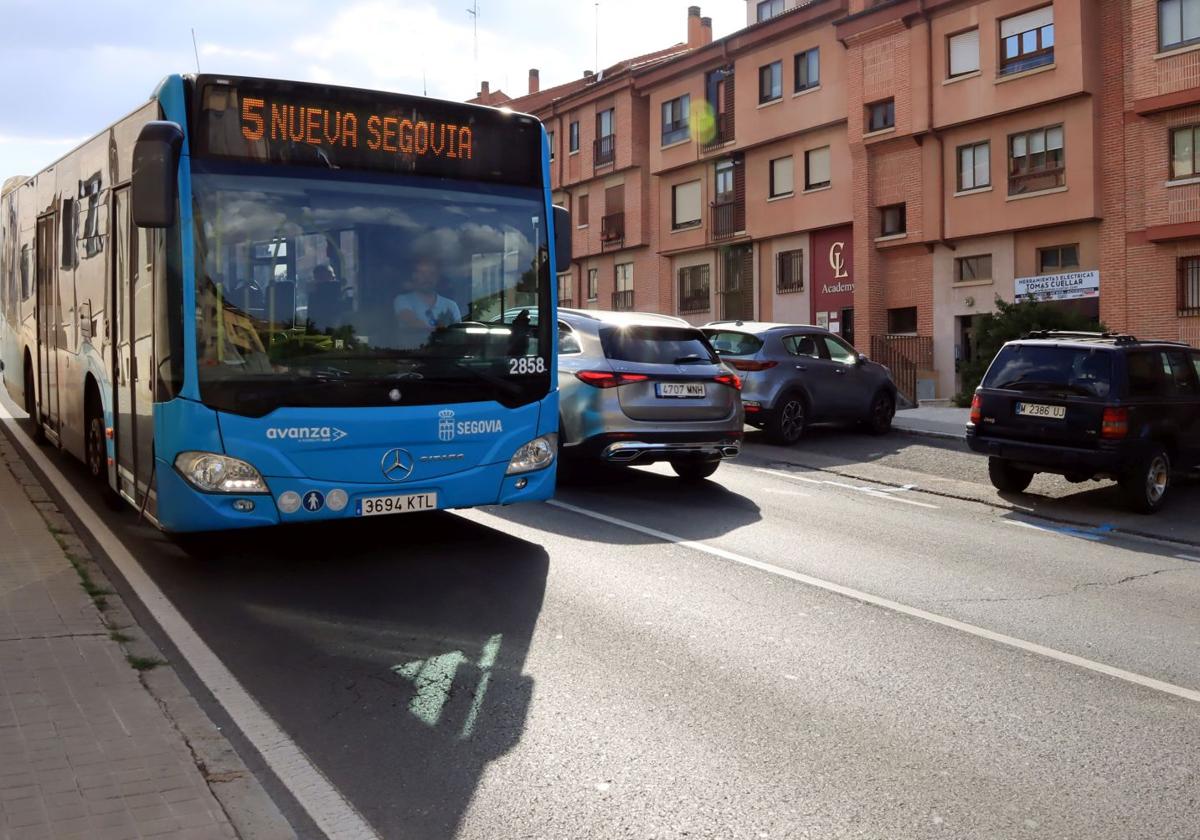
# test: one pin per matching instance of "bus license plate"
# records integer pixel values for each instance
(384, 505)
(680, 390)
(1050, 412)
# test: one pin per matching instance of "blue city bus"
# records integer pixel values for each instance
(255, 302)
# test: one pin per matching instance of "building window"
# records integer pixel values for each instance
(550, 140)
(781, 177)
(973, 269)
(770, 82)
(808, 69)
(685, 205)
(694, 289)
(573, 137)
(1027, 41)
(1178, 23)
(902, 321)
(1036, 161)
(963, 52)
(675, 119)
(881, 115)
(564, 290)
(789, 271)
(583, 211)
(767, 9)
(593, 289)
(816, 168)
(606, 144)
(974, 166)
(892, 220)
(1185, 149)
(1058, 259)
(623, 296)
(1189, 286)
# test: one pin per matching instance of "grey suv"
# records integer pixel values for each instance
(795, 375)
(635, 388)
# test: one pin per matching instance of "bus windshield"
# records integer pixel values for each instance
(335, 289)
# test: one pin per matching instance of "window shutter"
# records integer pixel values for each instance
(781, 176)
(983, 167)
(1054, 138)
(818, 166)
(687, 203)
(614, 200)
(964, 52)
(1030, 20)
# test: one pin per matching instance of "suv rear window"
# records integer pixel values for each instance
(729, 343)
(657, 345)
(1035, 367)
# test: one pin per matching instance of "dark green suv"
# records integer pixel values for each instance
(1088, 406)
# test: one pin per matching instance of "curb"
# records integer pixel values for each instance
(928, 433)
(250, 810)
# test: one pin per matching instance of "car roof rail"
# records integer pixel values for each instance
(1116, 338)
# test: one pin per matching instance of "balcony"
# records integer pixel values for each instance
(623, 301)
(722, 135)
(612, 231)
(604, 151)
(726, 218)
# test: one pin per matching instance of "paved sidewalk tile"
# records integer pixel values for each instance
(85, 751)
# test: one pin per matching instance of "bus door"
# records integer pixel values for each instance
(133, 375)
(122, 361)
(142, 333)
(48, 325)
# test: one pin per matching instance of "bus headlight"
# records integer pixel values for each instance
(535, 455)
(214, 473)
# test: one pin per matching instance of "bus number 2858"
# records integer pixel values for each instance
(526, 364)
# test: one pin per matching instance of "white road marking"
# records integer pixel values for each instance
(779, 492)
(1187, 557)
(329, 809)
(885, 603)
(875, 492)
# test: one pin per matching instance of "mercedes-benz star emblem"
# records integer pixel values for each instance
(397, 465)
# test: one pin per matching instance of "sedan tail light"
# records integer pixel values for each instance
(749, 364)
(608, 378)
(731, 379)
(976, 410)
(1114, 425)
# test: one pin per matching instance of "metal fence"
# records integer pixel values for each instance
(905, 356)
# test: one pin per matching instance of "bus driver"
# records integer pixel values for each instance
(422, 307)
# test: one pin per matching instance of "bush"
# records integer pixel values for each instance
(1012, 321)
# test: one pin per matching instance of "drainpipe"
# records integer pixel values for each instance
(941, 148)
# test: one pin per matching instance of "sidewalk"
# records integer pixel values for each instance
(85, 750)
(948, 423)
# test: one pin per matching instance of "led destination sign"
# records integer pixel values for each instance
(343, 128)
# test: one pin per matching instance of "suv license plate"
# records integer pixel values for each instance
(680, 390)
(384, 505)
(1050, 412)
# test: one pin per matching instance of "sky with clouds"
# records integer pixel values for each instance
(69, 69)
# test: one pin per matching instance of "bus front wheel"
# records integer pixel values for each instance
(95, 449)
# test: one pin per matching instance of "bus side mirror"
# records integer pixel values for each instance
(156, 174)
(562, 240)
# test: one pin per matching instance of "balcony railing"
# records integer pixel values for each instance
(612, 231)
(724, 218)
(623, 301)
(723, 134)
(605, 150)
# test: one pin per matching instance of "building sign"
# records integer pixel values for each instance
(832, 275)
(1071, 286)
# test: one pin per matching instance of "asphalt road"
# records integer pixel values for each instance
(647, 658)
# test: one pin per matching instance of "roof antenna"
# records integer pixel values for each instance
(597, 65)
(474, 13)
(195, 49)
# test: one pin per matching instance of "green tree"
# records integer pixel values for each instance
(1011, 321)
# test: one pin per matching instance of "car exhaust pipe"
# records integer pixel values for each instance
(730, 451)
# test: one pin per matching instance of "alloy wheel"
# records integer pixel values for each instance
(792, 420)
(1158, 478)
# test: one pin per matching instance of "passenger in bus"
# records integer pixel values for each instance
(325, 302)
(421, 310)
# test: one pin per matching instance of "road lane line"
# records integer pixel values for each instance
(329, 809)
(889, 494)
(893, 606)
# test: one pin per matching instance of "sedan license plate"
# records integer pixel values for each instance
(384, 505)
(1049, 412)
(680, 390)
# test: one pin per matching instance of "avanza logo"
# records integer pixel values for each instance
(311, 434)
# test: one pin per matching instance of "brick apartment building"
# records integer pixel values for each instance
(888, 168)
